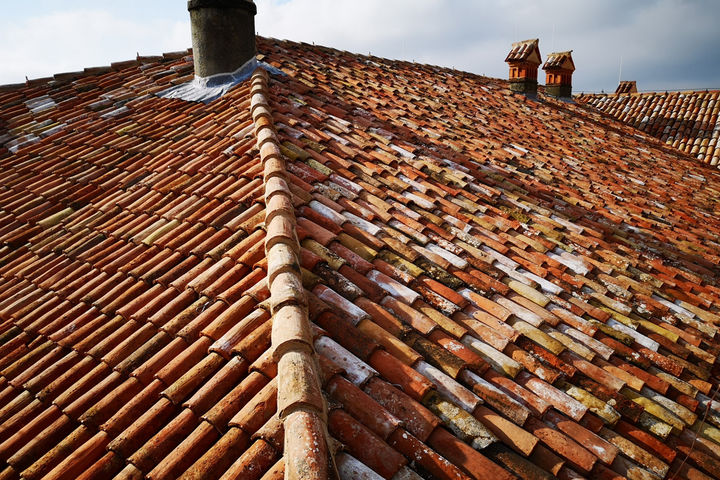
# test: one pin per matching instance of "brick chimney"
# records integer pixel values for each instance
(559, 68)
(627, 86)
(223, 35)
(524, 59)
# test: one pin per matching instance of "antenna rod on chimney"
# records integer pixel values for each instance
(620, 74)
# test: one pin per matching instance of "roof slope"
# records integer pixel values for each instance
(688, 121)
(496, 285)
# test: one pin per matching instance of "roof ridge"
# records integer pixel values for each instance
(300, 403)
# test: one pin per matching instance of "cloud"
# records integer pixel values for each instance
(664, 44)
(67, 41)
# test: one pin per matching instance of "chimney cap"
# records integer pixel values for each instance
(246, 5)
(560, 60)
(525, 51)
(627, 86)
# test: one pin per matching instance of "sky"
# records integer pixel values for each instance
(662, 44)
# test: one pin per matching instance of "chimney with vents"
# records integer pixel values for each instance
(223, 35)
(524, 59)
(559, 68)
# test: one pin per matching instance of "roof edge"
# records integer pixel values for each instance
(301, 405)
(63, 77)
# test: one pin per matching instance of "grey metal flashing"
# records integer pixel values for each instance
(207, 89)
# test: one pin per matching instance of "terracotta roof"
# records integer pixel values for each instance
(560, 60)
(522, 51)
(494, 286)
(688, 121)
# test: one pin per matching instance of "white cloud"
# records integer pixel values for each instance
(665, 44)
(657, 39)
(68, 41)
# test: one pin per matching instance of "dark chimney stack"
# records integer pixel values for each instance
(223, 35)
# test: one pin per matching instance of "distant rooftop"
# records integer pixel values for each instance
(688, 121)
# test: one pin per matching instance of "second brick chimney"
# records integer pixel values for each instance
(559, 68)
(223, 35)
